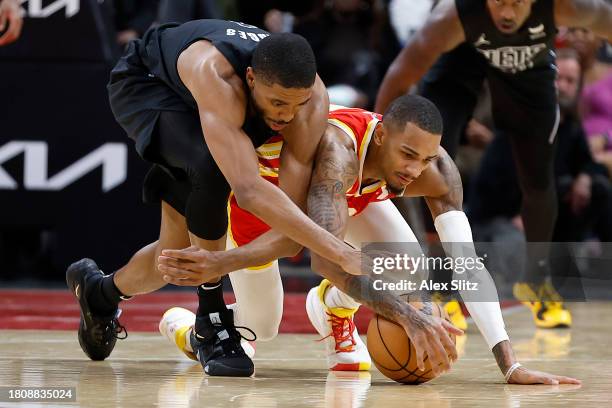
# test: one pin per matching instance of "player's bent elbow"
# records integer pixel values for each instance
(292, 249)
(246, 196)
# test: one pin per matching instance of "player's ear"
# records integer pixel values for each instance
(250, 77)
(379, 134)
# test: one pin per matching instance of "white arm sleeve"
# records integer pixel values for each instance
(454, 229)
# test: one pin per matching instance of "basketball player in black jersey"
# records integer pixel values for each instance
(509, 42)
(196, 99)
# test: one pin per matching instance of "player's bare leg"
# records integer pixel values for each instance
(99, 295)
(140, 275)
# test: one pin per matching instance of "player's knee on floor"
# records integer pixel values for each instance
(264, 323)
(266, 332)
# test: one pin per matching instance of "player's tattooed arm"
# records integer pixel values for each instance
(336, 169)
(452, 197)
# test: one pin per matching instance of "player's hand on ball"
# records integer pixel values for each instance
(190, 266)
(523, 375)
(430, 336)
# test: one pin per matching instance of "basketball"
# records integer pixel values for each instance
(392, 351)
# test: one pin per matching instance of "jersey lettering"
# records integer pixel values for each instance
(513, 59)
(245, 35)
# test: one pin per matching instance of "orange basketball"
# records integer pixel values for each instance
(392, 351)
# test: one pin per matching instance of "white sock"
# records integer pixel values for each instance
(336, 298)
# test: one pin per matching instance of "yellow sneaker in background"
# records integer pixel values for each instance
(455, 314)
(545, 303)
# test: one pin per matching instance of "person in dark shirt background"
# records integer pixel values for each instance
(181, 11)
(511, 43)
(132, 18)
(584, 192)
(582, 185)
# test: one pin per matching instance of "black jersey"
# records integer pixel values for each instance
(145, 80)
(161, 47)
(530, 47)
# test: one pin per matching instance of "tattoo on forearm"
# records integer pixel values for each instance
(386, 304)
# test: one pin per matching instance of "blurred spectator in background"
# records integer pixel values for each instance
(11, 20)
(132, 18)
(596, 104)
(407, 16)
(181, 11)
(354, 44)
(583, 187)
(274, 15)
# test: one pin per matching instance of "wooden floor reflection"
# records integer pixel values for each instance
(145, 370)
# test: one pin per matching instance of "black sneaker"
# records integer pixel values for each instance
(97, 334)
(217, 346)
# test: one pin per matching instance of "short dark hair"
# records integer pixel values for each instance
(568, 53)
(285, 59)
(415, 109)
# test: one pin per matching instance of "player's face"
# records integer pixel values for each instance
(276, 104)
(406, 154)
(509, 15)
(568, 82)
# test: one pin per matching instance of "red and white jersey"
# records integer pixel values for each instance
(359, 125)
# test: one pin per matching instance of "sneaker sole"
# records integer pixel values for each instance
(217, 369)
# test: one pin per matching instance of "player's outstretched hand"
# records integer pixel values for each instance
(191, 266)
(430, 337)
(523, 375)
(11, 14)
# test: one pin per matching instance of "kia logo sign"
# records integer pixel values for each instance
(111, 156)
(35, 8)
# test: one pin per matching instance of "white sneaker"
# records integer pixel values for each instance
(176, 325)
(345, 349)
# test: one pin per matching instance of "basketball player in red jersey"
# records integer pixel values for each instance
(360, 163)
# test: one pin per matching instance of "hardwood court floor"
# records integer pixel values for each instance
(145, 370)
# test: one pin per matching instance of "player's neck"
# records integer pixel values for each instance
(371, 171)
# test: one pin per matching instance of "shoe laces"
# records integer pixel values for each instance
(105, 328)
(342, 331)
(231, 345)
